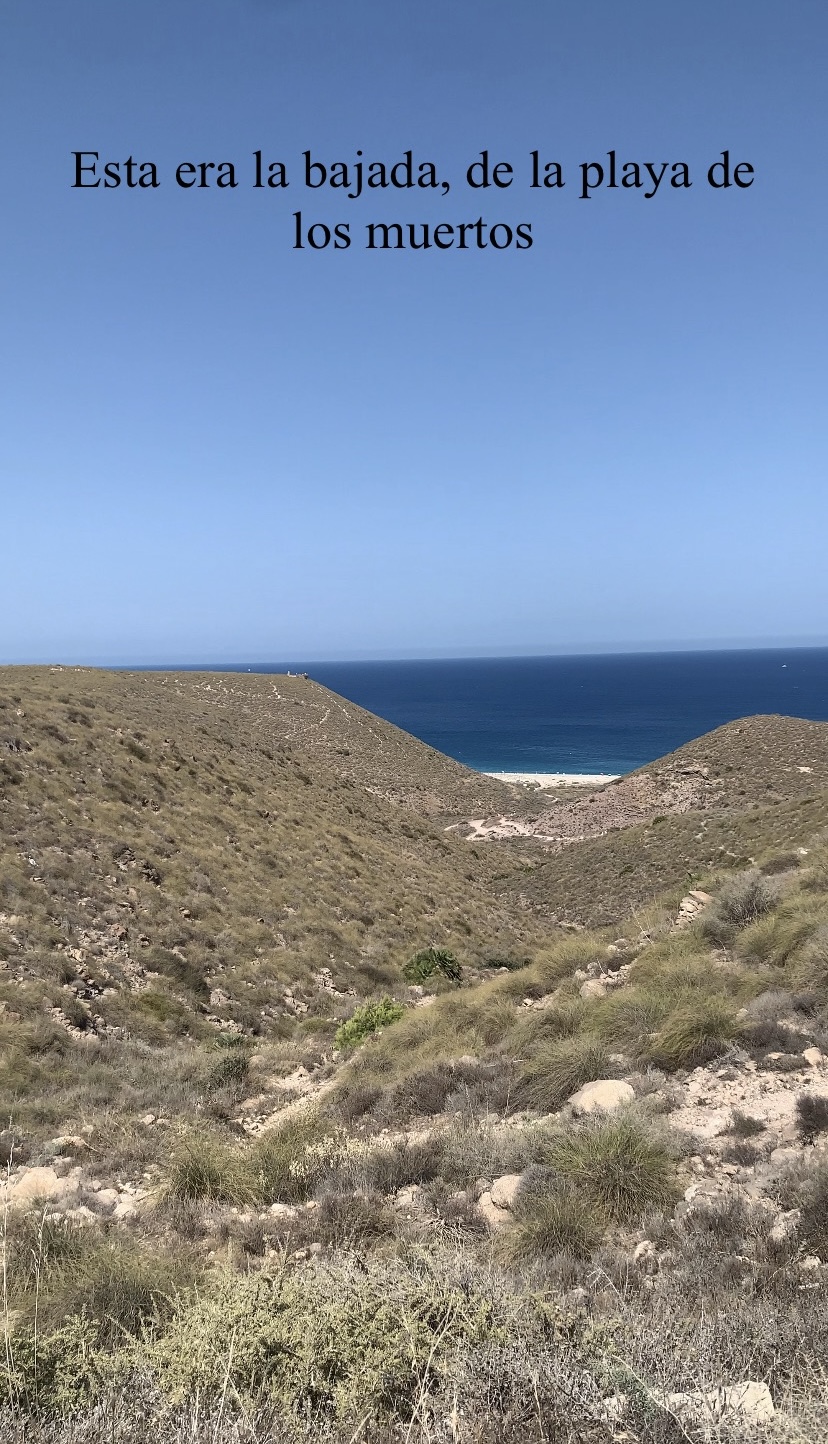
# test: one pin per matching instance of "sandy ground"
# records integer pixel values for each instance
(556, 779)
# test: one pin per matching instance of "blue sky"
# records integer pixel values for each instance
(215, 447)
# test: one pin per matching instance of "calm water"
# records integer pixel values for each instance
(577, 714)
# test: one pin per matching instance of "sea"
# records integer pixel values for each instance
(568, 714)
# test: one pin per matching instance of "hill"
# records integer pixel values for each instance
(177, 838)
(318, 1125)
(723, 800)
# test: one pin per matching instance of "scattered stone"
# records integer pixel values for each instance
(30, 1185)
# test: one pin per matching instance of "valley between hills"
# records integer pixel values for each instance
(350, 1095)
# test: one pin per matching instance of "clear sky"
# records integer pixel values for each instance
(216, 447)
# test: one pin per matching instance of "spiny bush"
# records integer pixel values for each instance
(368, 1019)
(811, 1115)
(429, 961)
(559, 1069)
(616, 1166)
(742, 901)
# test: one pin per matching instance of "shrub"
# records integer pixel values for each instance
(288, 1162)
(616, 1167)
(560, 1069)
(231, 1070)
(367, 1020)
(745, 1126)
(202, 1168)
(741, 1152)
(551, 1218)
(812, 1115)
(695, 1033)
(430, 961)
(742, 901)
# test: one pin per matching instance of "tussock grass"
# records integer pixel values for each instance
(558, 1069)
(551, 1217)
(204, 1168)
(616, 1165)
(692, 1034)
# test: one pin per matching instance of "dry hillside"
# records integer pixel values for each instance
(317, 1127)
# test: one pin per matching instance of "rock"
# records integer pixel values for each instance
(33, 1184)
(645, 1253)
(814, 1056)
(782, 1157)
(282, 1210)
(495, 1217)
(148, 1120)
(409, 1198)
(601, 1097)
(750, 1401)
(785, 1226)
(106, 1199)
(504, 1190)
(593, 988)
(123, 1210)
(67, 1143)
(80, 1215)
(809, 1264)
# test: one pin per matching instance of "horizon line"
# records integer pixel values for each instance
(658, 648)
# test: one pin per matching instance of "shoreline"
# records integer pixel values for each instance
(545, 780)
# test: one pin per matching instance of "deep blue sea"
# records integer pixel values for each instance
(577, 714)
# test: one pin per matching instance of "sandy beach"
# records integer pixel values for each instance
(556, 779)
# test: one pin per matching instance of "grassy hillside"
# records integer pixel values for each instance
(725, 800)
(296, 1140)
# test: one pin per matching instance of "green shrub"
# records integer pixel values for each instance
(429, 961)
(616, 1166)
(367, 1020)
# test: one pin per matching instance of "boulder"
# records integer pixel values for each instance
(603, 1096)
(593, 988)
(495, 1217)
(504, 1190)
(32, 1184)
(750, 1401)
